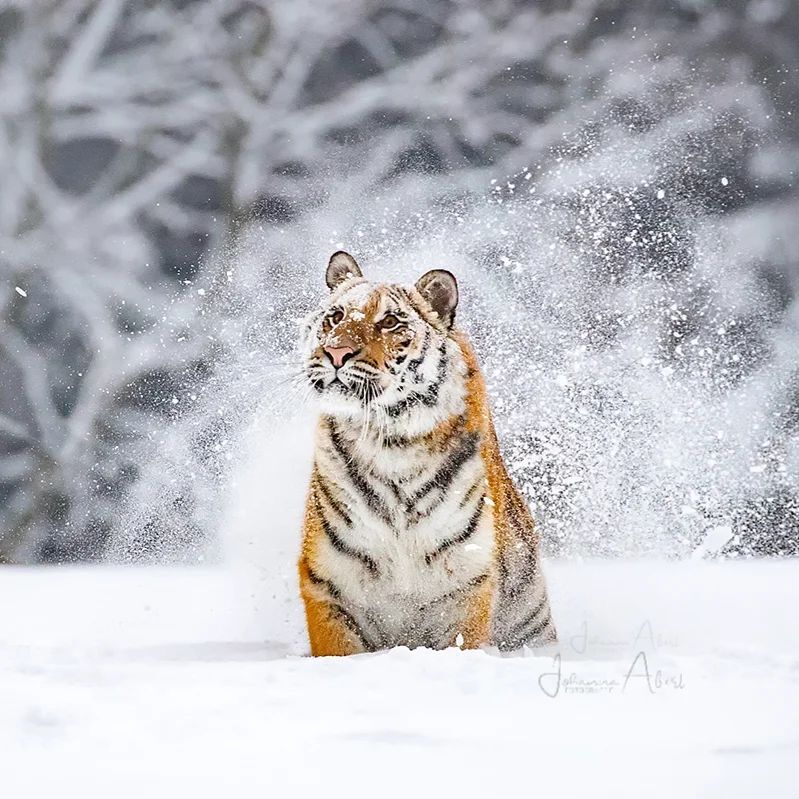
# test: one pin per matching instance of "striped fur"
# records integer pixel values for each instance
(414, 533)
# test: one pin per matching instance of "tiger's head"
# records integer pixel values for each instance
(384, 348)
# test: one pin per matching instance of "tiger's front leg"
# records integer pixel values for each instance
(330, 629)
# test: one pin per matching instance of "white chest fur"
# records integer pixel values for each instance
(416, 544)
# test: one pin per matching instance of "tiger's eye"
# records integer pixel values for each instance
(336, 316)
(389, 321)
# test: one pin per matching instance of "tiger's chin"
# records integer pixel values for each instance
(340, 403)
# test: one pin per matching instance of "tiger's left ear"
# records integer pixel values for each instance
(440, 289)
(341, 267)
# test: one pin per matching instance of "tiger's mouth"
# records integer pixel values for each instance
(361, 388)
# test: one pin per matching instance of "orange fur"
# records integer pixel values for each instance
(477, 628)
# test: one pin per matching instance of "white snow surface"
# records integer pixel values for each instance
(194, 682)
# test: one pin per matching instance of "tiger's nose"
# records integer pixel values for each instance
(339, 355)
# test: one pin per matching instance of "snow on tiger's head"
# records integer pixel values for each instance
(383, 347)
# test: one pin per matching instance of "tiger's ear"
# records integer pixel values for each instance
(341, 267)
(440, 289)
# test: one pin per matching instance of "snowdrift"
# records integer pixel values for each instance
(674, 679)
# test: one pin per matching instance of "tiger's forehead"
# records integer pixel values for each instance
(371, 298)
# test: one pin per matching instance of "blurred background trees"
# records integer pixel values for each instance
(146, 147)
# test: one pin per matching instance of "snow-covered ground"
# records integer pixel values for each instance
(193, 682)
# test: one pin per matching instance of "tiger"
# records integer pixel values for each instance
(414, 534)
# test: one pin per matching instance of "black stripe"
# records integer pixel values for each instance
(504, 571)
(516, 632)
(467, 533)
(331, 500)
(473, 583)
(445, 638)
(342, 546)
(338, 610)
(517, 522)
(331, 587)
(442, 479)
(521, 580)
(381, 642)
(367, 362)
(395, 294)
(367, 387)
(352, 625)
(398, 442)
(415, 305)
(401, 441)
(415, 363)
(373, 501)
(535, 633)
(364, 370)
(471, 492)
(523, 573)
(427, 398)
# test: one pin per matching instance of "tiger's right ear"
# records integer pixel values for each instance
(440, 289)
(342, 266)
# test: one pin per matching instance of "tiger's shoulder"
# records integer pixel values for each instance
(512, 516)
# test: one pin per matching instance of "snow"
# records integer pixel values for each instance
(715, 540)
(194, 681)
